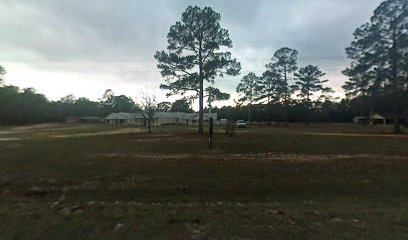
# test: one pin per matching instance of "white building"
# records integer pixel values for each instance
(123, 118)
(160, 118)
(372, 119)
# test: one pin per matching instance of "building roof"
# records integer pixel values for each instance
(181, 115)
(120, 116)
(184, 116)
(377, 116)
(205, 116)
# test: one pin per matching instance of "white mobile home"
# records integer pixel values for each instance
(123, 118)
(160, 118)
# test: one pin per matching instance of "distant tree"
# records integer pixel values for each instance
(86, 107)
(68, 99)
(112, 103)
(269, 86)
(195, 54)
(378, 54)
(149, 107)
(284, 63)
(181, 105)
(271, 90)
(164, 106)
(214, 95)
(106, 102)
(248, 89)
(359, 86)
(2, 73)
(32, 107)
(9, 96)
(308, 83)
(107, 94)
(123, 103)
(22, 106)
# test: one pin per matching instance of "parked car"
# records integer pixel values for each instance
(241, 124)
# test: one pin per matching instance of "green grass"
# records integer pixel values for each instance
(263, 183)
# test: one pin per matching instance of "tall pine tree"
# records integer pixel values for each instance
(271, 88)
(195, 54)
(308, 83)
(378, 55)
(248, 88)
(284, 65)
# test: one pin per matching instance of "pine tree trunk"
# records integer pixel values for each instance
(396, 127)
(395, 106)
(285, 110)
(201, 109)
(395, 85)
(268, 109)
(308, 112)
(250, 114)
(201, 97)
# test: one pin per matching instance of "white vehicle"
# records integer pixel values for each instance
(241, 124)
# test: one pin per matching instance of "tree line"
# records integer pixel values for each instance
(279, 83)
(323, 112)
(26, 106)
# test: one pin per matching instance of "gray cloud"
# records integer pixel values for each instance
(117, 39)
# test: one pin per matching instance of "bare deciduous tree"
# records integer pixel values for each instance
(149, 104)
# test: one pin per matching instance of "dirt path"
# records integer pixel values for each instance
(121, 131)
(27, 128)
(356, 135)
(252, 157)
(72, 135)
(9, 139)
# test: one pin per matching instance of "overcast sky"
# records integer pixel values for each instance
(82, 47)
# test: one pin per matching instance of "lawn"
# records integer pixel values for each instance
(101, 182)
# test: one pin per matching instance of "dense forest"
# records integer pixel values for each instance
(26, 106)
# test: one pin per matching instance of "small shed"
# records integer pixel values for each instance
(377, 119)
(372, 119)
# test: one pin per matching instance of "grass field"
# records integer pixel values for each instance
(100, 182)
